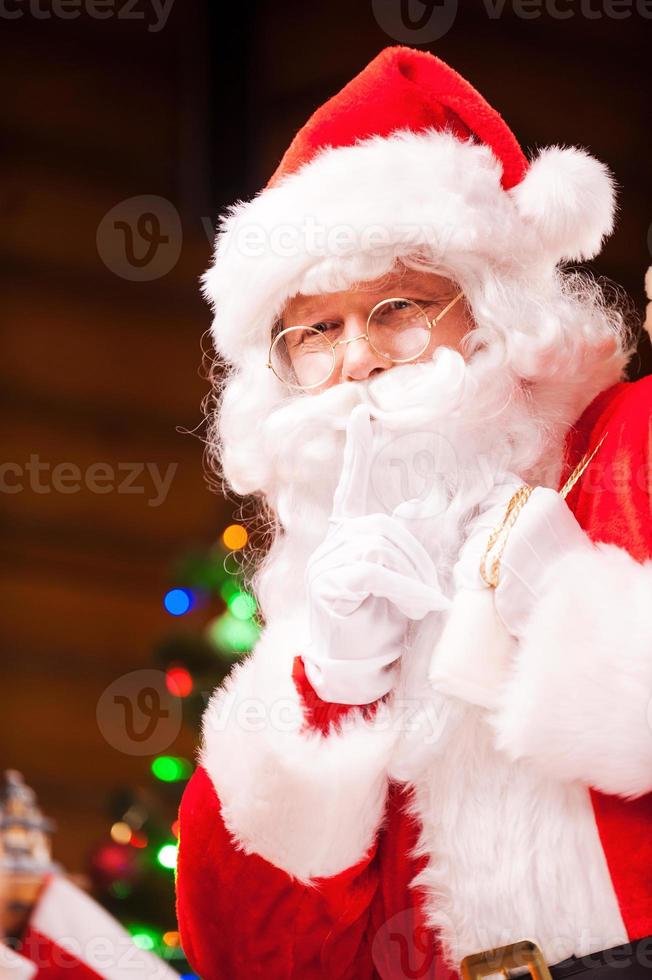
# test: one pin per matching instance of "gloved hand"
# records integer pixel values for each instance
(544, 531)
(364, 582)
(478, 643)
(474, 650)
(466, 572)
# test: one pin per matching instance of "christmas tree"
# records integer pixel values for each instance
(133, 869)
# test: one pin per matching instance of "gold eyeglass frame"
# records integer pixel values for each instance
(363, 336)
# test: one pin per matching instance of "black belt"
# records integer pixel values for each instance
(632, 960)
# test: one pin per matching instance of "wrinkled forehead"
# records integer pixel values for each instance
(366, 292)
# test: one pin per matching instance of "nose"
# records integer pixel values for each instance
(357, 360)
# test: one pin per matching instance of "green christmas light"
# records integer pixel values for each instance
(167, 856)
(242, 605)
(233, 635)
(170, 768)
(144, 937)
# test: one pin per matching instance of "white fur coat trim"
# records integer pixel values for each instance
(384, 197)
(578, 700)
(511, 853)
(309, 804)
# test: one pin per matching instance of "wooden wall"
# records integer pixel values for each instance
(96, 368)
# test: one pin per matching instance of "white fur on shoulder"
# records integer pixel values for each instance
(579, 698)
(307, 803)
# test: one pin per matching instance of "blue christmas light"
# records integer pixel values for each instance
(177, 601)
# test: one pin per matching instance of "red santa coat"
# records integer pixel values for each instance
(306, 852)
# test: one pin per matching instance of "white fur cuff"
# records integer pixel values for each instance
(307, 803)
(471, 659)
(578, 700)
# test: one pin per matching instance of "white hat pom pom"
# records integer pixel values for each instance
(570, 198)
(648, 292)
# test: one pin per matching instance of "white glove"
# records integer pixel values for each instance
(367, 578)
(544, 531)
(472, 654)
(479, 640)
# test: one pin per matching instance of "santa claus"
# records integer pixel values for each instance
(438, 757)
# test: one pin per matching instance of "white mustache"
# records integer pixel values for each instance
(405, 396)
(414, 394)
(413, 461)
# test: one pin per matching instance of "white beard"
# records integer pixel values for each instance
(444, 430)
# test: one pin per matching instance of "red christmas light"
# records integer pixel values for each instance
(178, 681)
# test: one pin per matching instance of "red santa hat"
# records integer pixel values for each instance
(407, 157)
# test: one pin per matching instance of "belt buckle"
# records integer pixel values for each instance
(502, 959)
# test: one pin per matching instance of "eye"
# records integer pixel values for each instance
(405, 304)
(427, 304)
(303, 337)
(323, 326)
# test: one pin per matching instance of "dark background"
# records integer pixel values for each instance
(98, 367)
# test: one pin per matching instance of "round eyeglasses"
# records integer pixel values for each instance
(397, 329)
